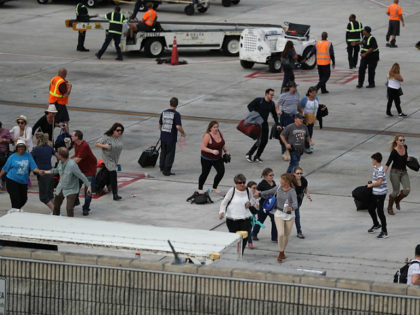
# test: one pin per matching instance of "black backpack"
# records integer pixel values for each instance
(200, 199)
(401, 274)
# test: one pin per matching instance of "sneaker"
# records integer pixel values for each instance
(308, 151)
(250, 245)
(389, 115)
(382, 235)
(370, 86)
(359, 86)
(257, 160)
(373, 228)
(300, 235)
(249, 158)
(255, 238)
(402, 114)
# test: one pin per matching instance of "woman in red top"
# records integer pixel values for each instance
(211, 155)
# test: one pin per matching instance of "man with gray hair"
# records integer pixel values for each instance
(69, 182)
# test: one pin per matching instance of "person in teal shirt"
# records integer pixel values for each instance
(17, 169)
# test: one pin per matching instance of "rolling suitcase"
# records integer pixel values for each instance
(150, 156)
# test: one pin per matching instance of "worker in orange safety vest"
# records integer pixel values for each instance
(147, 23)
(394, 11)
(324, 56)
(59, 95)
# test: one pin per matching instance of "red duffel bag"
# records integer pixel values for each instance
(252, 131)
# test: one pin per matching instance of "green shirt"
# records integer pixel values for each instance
(69, 177)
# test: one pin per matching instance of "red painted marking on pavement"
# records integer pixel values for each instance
(121, 183)
(339, 76)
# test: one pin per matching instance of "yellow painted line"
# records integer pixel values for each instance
(198, 118)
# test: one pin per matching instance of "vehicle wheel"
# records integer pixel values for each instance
(235, 1)
(275, 64)
(202, 9)
(42, 1)
(231, 45)
(155, 5)
(247, 64)
(154, 47)
(91, 3)
(226, 3)
(142, 7)
(311, 62)
(189, 9)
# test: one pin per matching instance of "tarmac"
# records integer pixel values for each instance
(34, 43)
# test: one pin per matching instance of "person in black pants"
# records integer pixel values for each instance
(114, 32)
(212, 147)
(288, 59)
(169, 125)
(353, 34)
(266, 184)
(264, 106)
(369, 58)
(82, 15)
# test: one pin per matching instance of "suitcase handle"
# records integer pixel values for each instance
(156, 146)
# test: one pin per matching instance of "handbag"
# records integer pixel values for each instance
(413, 164)
(309, 118)
(252, 131)
(400, 92)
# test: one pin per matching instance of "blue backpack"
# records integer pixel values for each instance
(269, 204)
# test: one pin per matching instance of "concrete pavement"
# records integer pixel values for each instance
(34, 43)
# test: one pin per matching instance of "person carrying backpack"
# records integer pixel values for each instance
(413, 274)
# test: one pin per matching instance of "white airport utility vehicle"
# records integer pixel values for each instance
(265, 45)
(205, 35)
(191, 5)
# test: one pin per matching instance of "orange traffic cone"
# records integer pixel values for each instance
(174, 56)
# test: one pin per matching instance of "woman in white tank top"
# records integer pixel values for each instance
(394, 90)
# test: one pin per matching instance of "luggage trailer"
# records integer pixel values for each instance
(204, 35)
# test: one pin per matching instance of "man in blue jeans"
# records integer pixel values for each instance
(293, 137)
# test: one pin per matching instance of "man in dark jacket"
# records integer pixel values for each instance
(46, 123)
(264, 106)
(82, 15)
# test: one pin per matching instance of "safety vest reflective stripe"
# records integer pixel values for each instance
(79, 6)
(355, 33)
(117, 23)
(57, 84)
(323, 57)
(368, 44)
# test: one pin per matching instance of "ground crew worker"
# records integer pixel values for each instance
(59, 96)
(147, 22)
(369, 58)
(116, 20)
(324, 55)
(82, 16)
(394, 11)
(353, 34)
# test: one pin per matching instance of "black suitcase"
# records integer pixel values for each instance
(150, 156)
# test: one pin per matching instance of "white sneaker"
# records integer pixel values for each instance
(13, 210)
(249, 158)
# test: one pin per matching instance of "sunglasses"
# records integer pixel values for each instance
(299, 173)
(240, 183)
(21, 122)
(401, 140)
(118, 130)
(271, 175)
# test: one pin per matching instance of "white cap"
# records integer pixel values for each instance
(51, 109)
(20, 142)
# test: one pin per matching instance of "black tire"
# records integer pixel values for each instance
(154, 47)
(42, 1)
(226, 3)
(142, 7)
(231, 46)
(309, 64)
(155, 5)
(91, 3)
(189, 9)
(275, 63)
(235, 1)
(247, 64)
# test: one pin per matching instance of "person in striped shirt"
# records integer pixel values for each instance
(379, 191)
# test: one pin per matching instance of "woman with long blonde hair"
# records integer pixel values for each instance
(399, 175)
(394, 90)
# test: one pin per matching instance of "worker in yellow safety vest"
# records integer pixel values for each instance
(59, 96)
(116, 21)
(394, 11)
(369, 57)
(353, 34)
(324, 56)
